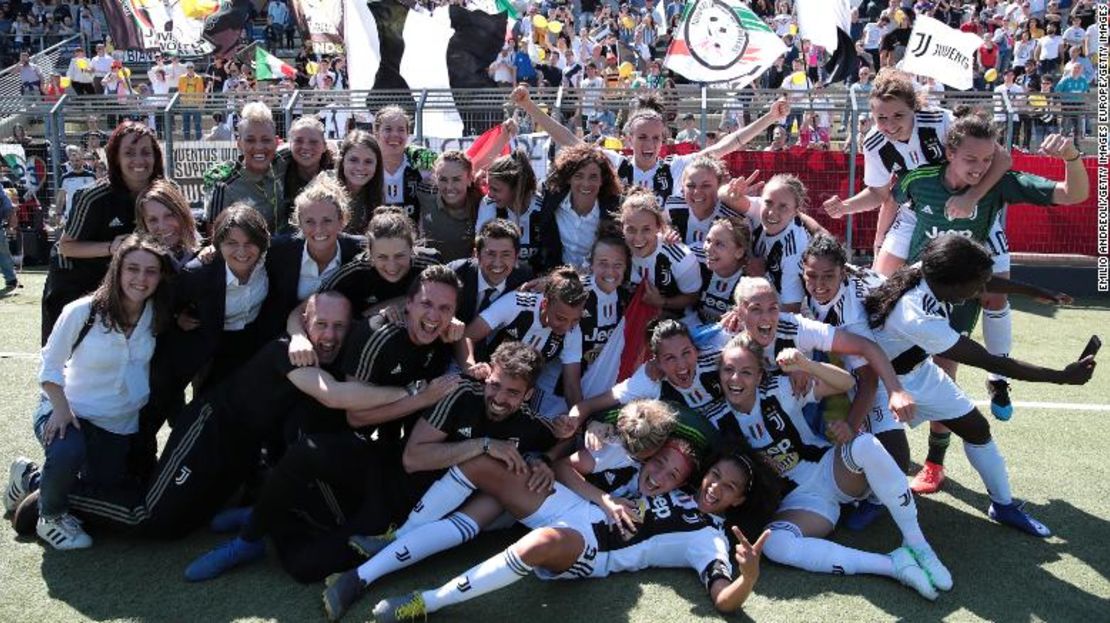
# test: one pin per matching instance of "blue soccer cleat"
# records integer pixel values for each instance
(865, 514)
(1001, 407)
(1014, 515)
(235, 553)
(230, 520)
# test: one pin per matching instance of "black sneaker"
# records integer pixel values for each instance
(1001, 407)
(343, 590)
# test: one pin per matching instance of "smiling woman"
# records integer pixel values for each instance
(102, 215)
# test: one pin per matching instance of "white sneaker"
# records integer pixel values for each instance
(907, 571)
(934, 568)
(63, 532)
(18, 476)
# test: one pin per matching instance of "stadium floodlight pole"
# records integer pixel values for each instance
(167, 121)
(853, 151)
(54, 130)
(704, 115)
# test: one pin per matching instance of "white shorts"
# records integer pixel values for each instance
(937, 396)
(999, 245)
(566, 509)
(879, 418)
(820, 494)
(900, 235)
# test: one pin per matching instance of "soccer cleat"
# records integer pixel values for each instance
(865, 514)
(343, 590)
(1014, 515)
(1001, 407)
(19, 482)
(370, 545)
(938, 574)
(401, 608)
(909, 573)
(929, 479)
(230, 519)
(63, 532)
(235, 553)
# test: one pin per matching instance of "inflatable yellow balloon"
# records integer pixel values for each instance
(83, 64)
(542, 53)
(65, 82)
(625, 70)
(627, 22)
(539, 21)
(611, 142)
(991, 75)
(794, 29)
(799, 79)
(312, 67)
(555, 27)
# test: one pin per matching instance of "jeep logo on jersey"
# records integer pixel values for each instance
(714, 34)
(933, 232)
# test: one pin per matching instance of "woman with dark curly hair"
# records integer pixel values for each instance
(102, 216)
(581, 192)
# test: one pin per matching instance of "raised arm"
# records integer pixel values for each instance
(1076, 185)
(970, 352)
(562, 135)
(780, 109)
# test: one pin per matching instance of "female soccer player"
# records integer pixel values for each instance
(693, 212)
(910, 318)
(670, 271)
(360, 171)
(449, 209)
(163, 212)
(103, 215)
(726, 251)
(764, 409)
(512, 195)
(307, 155)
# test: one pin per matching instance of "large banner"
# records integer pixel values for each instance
(321, 23)
(192, 158)
(187, 28)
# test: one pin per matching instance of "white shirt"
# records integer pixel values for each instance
(518, 315)
(666, 263)
(107, 378)
(102, 64)
(999, 107)
(1074, 35)
(1049, 47)
(393, 185)
(1092, 40)
(846, 311)
(880, 163)
(243, 300)
(484, 285)
(310, 276)
(577, 232)
(918, 319)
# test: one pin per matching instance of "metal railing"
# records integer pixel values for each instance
(1023, 120)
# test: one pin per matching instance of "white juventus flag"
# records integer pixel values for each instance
(392, 46)
(938, 51)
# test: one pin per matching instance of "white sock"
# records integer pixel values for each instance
(988, 461)
(998, 334)
(444, 496)
(495, 573)
(867, 455)
(787, 546)
(418, 544)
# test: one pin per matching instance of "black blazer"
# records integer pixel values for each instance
(545, 229)
(466, 269)
(283, 265)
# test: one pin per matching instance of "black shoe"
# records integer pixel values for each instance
(343, 590)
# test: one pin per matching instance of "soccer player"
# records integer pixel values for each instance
(970, 148)
(670, 271)
(910, 316)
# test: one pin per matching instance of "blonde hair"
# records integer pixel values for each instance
(306, 121)
(644, 425)
(745, 341)
(255, 112)
(643, 200)
(706, 163)
(796, 187)
(323, 189)
(749, 287)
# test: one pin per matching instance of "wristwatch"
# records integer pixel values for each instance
(485, 445)
(1078, 155)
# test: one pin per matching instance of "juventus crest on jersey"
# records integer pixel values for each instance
(672, 268)
(516, 317)
(782, 253)
(884, 158)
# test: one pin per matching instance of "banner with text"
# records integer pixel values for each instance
(192, 158)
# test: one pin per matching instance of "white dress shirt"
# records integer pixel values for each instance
(106, 379)
(577, 232)
(310, 276)
(484, 285)
(243, 300)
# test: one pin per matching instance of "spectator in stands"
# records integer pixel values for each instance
(279, 24)
(30, 76)
(873, 33)
(159, 84)
(77, 177)
(689, 133)
(191, 88)
(988, 53)
(89, 26)
(1073, 85)
(811, 135)
(220, 130)
(52, 91)
(94, 138)
(1014, 91)
(80, 73)
(893, 45)
(9, 226)
(174, 71)
(1075, 56)
(796, 85)
(525, 71)
(1048, 50)
(101, 64)
(502, 69)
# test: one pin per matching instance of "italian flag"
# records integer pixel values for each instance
(722, 41)
(269, 67)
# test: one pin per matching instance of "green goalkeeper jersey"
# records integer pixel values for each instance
(925, 189)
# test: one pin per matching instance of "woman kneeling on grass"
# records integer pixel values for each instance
(95, 378)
